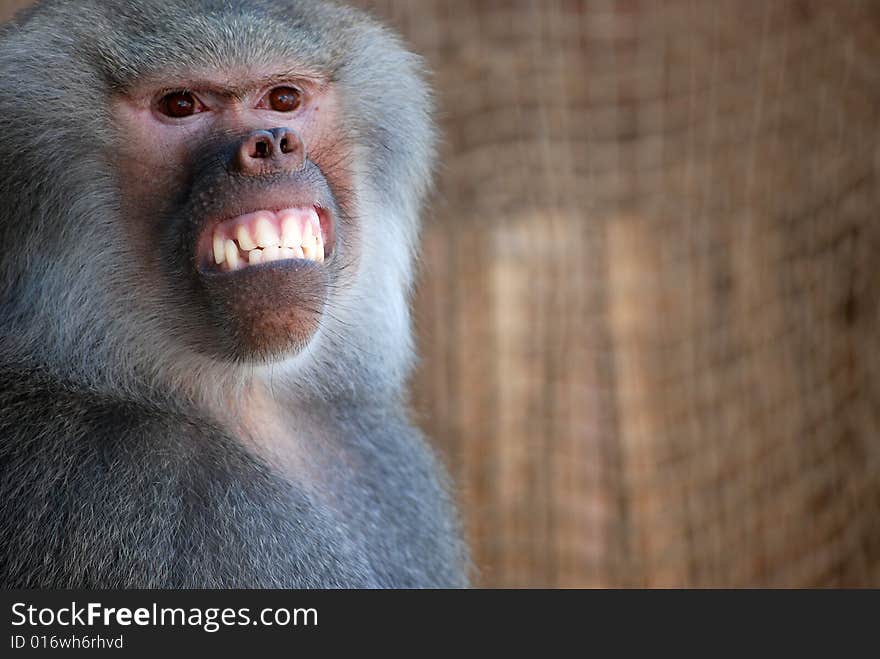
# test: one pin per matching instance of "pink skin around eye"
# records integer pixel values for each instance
(182, 104)
(158, 146)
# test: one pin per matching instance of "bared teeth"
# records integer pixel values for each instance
(311, 250)
(308, 234)
(243, 235)
(312, 214)
(266, 234)
(232, 257)
(290, 232)
(219, 248)
(264, 237)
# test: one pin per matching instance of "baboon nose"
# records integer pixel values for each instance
(268, 151)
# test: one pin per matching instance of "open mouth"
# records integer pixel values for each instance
(267, 236)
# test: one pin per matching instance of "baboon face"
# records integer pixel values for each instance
(225, 179)
(235, 180)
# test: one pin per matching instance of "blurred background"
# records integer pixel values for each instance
(649, 307)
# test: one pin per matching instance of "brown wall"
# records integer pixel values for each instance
(649, 309)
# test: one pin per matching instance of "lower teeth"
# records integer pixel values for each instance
(243, 259)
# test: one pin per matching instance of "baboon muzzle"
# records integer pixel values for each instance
(271, 151)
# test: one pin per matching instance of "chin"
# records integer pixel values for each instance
(263, 276)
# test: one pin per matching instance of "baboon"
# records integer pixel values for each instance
(209, 212)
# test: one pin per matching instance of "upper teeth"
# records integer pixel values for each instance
(264, 236)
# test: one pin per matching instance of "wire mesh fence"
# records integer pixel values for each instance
(649, 308)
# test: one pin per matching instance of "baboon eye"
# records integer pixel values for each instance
(180, 104)
(284, 99)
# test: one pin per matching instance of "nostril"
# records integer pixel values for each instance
(284, 145)
(261, 149)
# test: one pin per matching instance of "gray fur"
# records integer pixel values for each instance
(114, 470)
